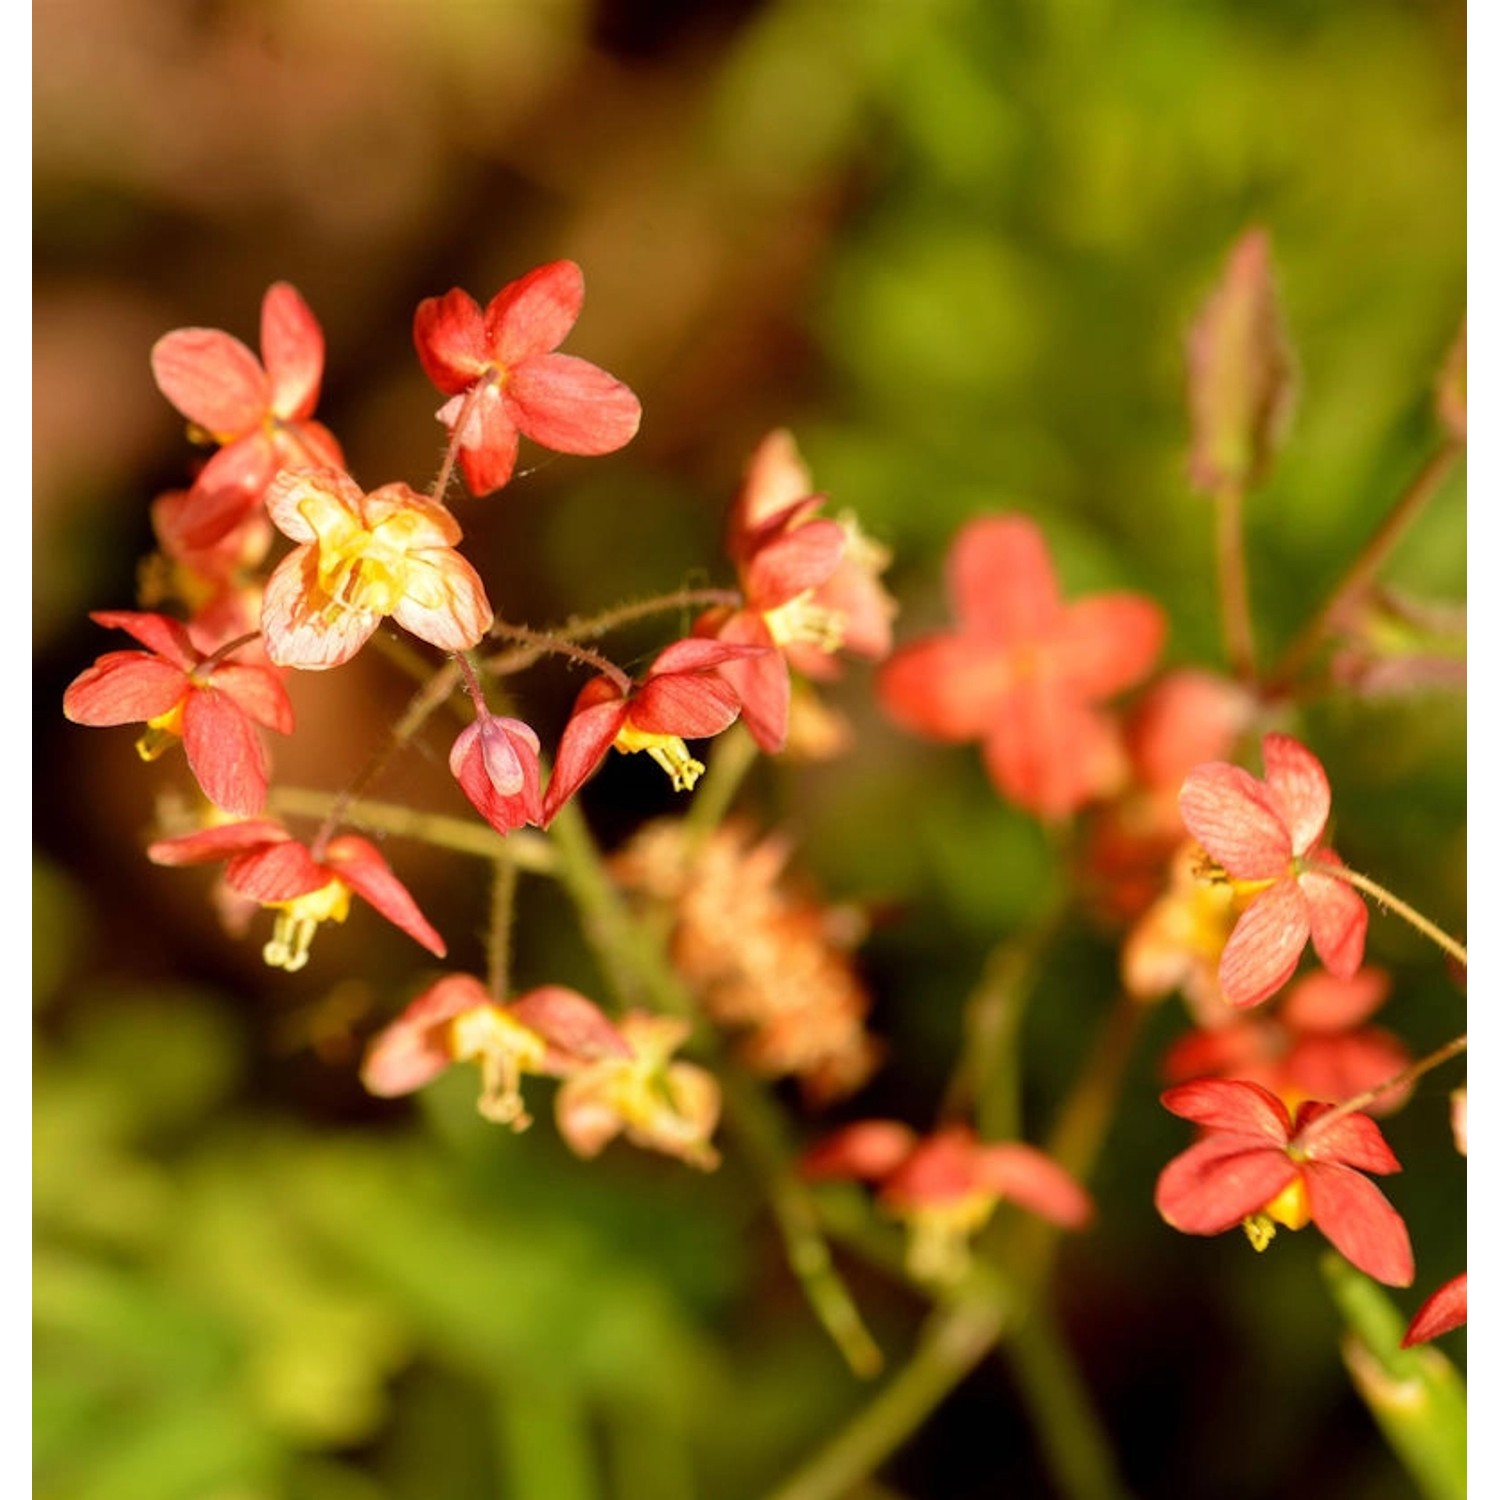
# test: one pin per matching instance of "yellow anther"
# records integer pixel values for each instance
(297, 921)
(667, 750)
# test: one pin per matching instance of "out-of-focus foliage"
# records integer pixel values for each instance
(955, 246)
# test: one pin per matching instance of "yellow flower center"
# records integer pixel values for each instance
(937, 1247)
(297, 920)
(362, 569)
(667, 750)
(800, 621)
(1289, 1207)
(162, 732)
(505, 1049)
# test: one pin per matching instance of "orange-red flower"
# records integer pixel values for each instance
(363, 557)
(1269, 832)
(265, 863)
(495, 761)
(1024, 672)
(947, 1185)
(551, 1030)
(258, 414)
(1257, 1166)
(1446, 1309)
(499, 366)
(182, 693)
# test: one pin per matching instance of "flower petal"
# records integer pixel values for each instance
(302, 626)
(224, 752)
(692, 705)
(870, 1149)
(1001, 582)
(1300, 786)
(451, 342)
(1032, 1179)
(416, 1046)
(948, 686)
(1236, 820)
(1446, 1309)
(358, 863)
(258, 691)
(1339, 921)
(1262, 951)
(1105, 644)
(446, 605)
(1049, 752)
(212, 379)
(574, 1028)
(1233, 1105)
(535, 313)
(291, 343)
(1352, 1140)
(571, 406)
(1217, 1182)
(584, 743)
(124, 687)
(1325, 1003)
(222, 841)
(1359, 1222)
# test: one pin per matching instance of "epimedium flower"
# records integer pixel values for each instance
(682, 697)
(259, 414)
(266, 864)
(1269, 834)
(183, 693)
(1315, 1045)
(1024, 672)
(549, 1030)
(1446, 1309)
(495, 761)
(659, 1102)
(947, 1185)
(505, 380)
(363, 557)
(1259, 1167)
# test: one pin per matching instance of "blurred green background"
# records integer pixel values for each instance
(954, 247)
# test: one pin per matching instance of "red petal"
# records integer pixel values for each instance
(1001, 582)
(212, 379)
(259, 692)
(1108, 643)
(291, 342)
(690, 705)
(487, 454)
(950, 687)
(124, 687)
(571, 1023)
(871, 1149)
(358, 863)
(1359, 1222)
(585, 742)
(1262, 951)
(223, 841)
(1049, 752)
(1231, 1104)
(697, 654)
(1350, 1140)
(1237, 820)
(792, 561)
(1322, 1002)
(273, 872)
(1216, 1183)
(414, 1048)
(535, 313)
(452, 346)
(763, 686)
(1328, 1066)
(1300, 787)
(1339, 920)
(224, 752)
(1446, 1309)
(571, 406)
(166, 637)
(1028, 1177)
(503, 811)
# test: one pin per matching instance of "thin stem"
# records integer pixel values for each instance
(733, 755)
(1361, 573)
(209, 663)
(502, 917)
(1399, 1080)
(1451, 946)
(545, 642)
(1234, 585)
(455, 442)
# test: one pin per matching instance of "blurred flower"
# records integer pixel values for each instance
(266, 864)
(683, 696)
(1446, 1309)
(258, 414)
(1313, 1047)
(1268, 832)
(363, 557)
(551, 1030)
(661, 1105)
(945, 1186)
(181, 693)
(499, 367)
(1256, 1166)
(495, 761)
(1023, 671)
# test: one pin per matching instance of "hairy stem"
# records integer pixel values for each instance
(1400, 1080)
(502, 916)
(1450, 945)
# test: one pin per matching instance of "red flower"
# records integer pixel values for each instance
(1269, 831)
(258, 414)
(557, 400)
(363, 557)
(549, 1030)
(495, 762)
(683, 697)
(268, 865)
(1023, 671)
(946, 1185)
(1312, 1048)
(1446, 1309)
(171, 688)
(1258, 1167)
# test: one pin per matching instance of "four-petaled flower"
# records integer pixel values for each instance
(258, 413)
(265, 863)
(1024, 671)
(499, 367)
(661, 1104)
(1268, 832)
(180, 692)
(682, 697)
(551, 1030)
(364, 557)
(1258, 1167)
(945, 1186)
(495, 761)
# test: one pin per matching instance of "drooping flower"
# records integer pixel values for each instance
(550, 1030)
(683, 696)
(181, 693)
(495, 761)
(1269, 832)
(946, 1186)
(1313, 1047)
(660, 1103)
(258, 414)
(1025, 672)
(1258, 1167)
(1446, 1309)
(266, 864)
(498, 365)
(363, 557)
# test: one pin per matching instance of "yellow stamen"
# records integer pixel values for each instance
(162, 733)
(802, 622)
(505, 1049)
(297, 921)
(667, 750)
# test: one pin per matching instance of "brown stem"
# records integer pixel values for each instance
(1234, 585)
(1450, 945)
(543, 641)
(1397, 1081)
(440, 484)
